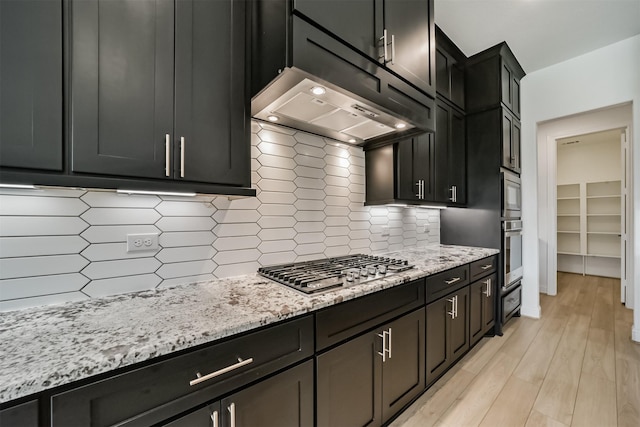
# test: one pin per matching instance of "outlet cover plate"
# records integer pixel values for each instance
(142, 242)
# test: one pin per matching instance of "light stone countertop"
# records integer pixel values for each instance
(49, 346)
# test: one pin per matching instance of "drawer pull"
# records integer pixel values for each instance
(486, 267)
(232, 414)
(240, 364)
(452, 281)
(214, 419)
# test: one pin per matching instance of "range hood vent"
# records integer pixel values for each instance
(316, 107)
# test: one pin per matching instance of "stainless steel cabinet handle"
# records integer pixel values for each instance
(167, 155)
(486, 267)
(214, 418)
(383, 335)
(384, 44)
(452, 190)
(389, 343)
(455, 309)
(393, 48)
(419, 186)
(452, 313)
(452, 281)
(240, 364)
(232, 414)
(182, 157)
(422, 189)
(487, 292)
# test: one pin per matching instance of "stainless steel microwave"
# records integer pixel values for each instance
(511, 196)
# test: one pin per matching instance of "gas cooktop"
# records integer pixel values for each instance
(325, 274)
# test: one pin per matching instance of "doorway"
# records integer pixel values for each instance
(619, 117)
(591, 191)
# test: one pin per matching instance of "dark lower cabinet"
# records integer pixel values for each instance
(482, 297)
(285, 400)
(367, 380)
(447, 332)
(22, 415)
(31, 84)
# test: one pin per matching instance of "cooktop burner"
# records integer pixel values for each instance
(324, 274)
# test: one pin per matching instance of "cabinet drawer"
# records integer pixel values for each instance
(340, 322)
(441, 284)
(159, 391)
(483, 267)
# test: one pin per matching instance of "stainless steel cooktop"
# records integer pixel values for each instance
(329, 273)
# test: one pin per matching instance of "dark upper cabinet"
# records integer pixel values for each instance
(493, 78)
(449, 70)
(450, 155)
(31, 84)
(415, 163)
(401, 173)
(138, 111)
(510, 141)
(396, 33)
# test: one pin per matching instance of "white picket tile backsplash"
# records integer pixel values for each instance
(59, 245)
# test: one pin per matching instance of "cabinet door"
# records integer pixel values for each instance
(507, 138)
(23, 415)
(460, 325)
(515, 146)
(437, 338)
(457, 157)
(506, 75)
(283, 400)
(349, 384)
(205, 417)
(407, 183)
(476, 305)
(489, 302)
(443, 191)
(457, 85)
(210, 102)
(515, 94)
(121, 106)
(356, 22)
(410, 33)
(415, 166)
(403, 375)
(31, 84)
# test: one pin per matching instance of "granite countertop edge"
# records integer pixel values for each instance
(51, 346)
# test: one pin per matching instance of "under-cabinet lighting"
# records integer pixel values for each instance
(19, 186)
(273, 118)
(401, 205)
(155, 193)
(401, 125)
(430, 207)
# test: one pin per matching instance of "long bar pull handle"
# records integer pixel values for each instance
(393, 48)
(384, 44)
(383, 335)
(456, 308)
(419, 184)
(486, 267)
(487, 292)
(422, 181)
(452, 281)
(240, 364)
(182, 157)
(214, 418)
(232, 414)
(452, 313)
(453, 194)
(167, 155)
(389, 343)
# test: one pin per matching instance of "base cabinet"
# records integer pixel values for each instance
(447, 332)
(283, 400)
(22, 415)
(482, 296)
(370, 378)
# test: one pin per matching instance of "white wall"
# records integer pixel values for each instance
(602, 78)
(590, 162)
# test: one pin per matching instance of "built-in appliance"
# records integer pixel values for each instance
(511, 252)
(312, 277)
(511, 195)
(511, 301)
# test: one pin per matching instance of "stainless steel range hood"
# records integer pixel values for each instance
(301, 101)
(306, 78)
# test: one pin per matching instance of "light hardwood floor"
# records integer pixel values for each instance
(576, 366)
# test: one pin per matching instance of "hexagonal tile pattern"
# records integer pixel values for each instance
(309, 205)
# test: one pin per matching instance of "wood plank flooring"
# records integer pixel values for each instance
(576, 366)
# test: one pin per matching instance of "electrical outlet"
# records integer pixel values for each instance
(385, 231)
(142, 242)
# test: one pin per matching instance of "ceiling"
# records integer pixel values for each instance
(606, 137)
(539, 32)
